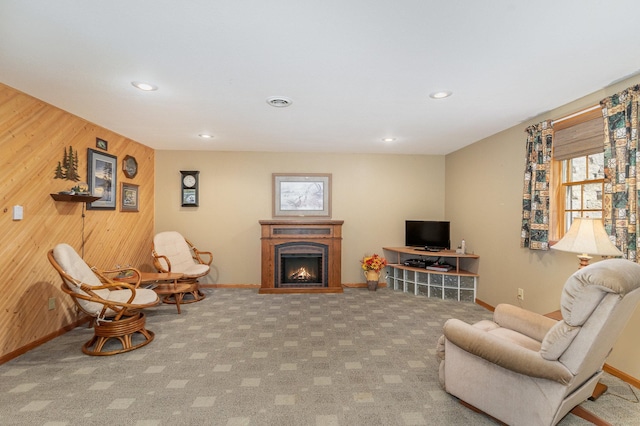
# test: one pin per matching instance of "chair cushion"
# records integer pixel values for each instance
(558, 340)
(486, 325)
(173, 245)
(584, 290)
(517, 338)
(144, 296)
(507, 334)
(196, 270)
(74, 266)
(529, 323)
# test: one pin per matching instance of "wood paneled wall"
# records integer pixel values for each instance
(33, 137)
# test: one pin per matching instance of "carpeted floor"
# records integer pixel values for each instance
(239, 358)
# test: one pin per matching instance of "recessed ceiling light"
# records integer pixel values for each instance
(388, 139)
(279, 101)
(147, 87)
(205, 136)
(440, 95)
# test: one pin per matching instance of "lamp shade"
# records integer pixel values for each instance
(587, 236)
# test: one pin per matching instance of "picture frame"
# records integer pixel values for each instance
(302, 195)
(130, 198)
(102, 144)
(130, 166)
(102, 174)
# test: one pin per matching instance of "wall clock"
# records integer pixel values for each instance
(189, 186)
(130, 166)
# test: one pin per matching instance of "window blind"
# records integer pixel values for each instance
(577, 139)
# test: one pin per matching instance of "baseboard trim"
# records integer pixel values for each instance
(347, 285)
(229, 285)
(361, 285)
(485, 305)
(622, 375)
(20, 351)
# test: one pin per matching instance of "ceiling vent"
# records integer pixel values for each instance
(279, 101)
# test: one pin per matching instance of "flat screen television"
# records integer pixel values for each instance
(427, 234)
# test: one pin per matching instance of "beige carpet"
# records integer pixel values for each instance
(239, 358)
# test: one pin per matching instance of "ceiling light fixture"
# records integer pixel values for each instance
(388, 139)
(441, 94)
(279, 101)
(205, 136)
(147, 87)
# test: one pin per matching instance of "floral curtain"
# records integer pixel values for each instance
(535, 199)
(621, 192)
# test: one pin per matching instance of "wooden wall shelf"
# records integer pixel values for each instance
(75, 198)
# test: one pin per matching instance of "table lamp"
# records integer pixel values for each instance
(587, 237)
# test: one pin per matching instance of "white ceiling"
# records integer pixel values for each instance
(357, 71)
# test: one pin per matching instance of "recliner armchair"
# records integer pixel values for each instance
(523, 368)
(174, 253)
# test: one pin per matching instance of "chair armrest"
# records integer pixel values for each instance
(133, 278)
(206, 253)
(525, 322)
(156, 262)
(504, 353)
(116, 306)
(90, 289)
(197, 253)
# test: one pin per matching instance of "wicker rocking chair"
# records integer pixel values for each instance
(114, 307)
(174, 253)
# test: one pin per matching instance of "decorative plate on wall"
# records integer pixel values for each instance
(130, 166)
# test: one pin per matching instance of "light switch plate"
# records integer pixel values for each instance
(18, 213)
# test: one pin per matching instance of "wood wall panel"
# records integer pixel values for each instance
(33, 136)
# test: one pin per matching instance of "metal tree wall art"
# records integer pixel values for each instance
(68, 167)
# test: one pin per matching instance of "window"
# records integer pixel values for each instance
(577, 180)
(582, 183)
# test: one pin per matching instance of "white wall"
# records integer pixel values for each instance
(373, 194)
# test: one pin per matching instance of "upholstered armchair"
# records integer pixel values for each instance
(523, 368)
(174, 253)
(114, 307)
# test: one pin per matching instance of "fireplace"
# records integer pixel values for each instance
(301, 256)
(301, 264)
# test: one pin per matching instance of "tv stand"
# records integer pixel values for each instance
(434, 249)
(459, 283)
(429, 249)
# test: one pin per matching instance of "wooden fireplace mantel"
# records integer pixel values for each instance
(278, 232)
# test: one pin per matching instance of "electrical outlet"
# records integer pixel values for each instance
(52, 303)
(520, 294)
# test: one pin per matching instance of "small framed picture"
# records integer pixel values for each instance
(102, 144)
(129, 198)
(302, 195)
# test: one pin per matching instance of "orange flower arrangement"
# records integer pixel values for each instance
(373, 263)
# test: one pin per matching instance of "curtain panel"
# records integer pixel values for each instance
(535, 199)
(620, 198)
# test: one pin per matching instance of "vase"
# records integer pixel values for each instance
(372, 279)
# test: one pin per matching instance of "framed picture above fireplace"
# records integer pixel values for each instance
(301, 195)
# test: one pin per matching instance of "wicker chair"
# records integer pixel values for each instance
(174, 253)
(114, 307)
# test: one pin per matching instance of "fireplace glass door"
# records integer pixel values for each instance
(301, 265)
(301, 270)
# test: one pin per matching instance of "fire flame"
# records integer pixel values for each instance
(300, 274)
